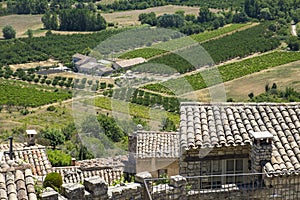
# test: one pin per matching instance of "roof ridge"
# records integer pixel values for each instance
(239, 104)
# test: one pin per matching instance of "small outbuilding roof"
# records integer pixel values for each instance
(31, 132)
(156, 144)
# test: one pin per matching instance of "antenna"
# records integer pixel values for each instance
(11, 153)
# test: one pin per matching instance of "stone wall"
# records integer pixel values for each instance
(281, 187)
(95, 188)
(152, 165)
(260, 155)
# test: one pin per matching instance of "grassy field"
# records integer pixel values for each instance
(21, 23)
(126, 18)
(134, 109)
(284, 76)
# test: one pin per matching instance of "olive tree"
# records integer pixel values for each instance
(8, 32)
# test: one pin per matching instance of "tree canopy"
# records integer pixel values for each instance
(74, 20)
(54, 136)
(8, 32)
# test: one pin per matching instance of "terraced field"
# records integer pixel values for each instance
(183, 42)
(224, 73)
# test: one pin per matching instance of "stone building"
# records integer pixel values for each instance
(236, 138)
(109, 169)
(156, 152)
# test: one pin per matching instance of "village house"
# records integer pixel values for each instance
(239, 138)
(155, 152)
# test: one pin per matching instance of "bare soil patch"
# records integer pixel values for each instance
(21, 23)
(47, 63)
(126, 18)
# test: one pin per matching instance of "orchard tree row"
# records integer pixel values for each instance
(240, 44)
(59, 47)
(145, 98)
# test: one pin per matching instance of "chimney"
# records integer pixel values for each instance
(31, 137)
(73, 161)
(261, 151)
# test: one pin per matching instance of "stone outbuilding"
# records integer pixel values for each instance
(154, 151)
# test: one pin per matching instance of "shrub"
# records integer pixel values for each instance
(51, 108)
(53, 180)
(58, 159)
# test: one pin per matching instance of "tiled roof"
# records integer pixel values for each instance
(114, 162)
(110, 169)
(75, 174)
(215, 125)
(16, 181)
(34, 155)
(152, 144)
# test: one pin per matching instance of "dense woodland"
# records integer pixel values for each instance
(192, 24)
(141, 4)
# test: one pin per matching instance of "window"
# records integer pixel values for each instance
(162, 172)
(223, 167)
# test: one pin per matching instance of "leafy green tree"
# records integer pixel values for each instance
(84, 154)
(110, 128)
(170, 20)
(54, 136)
(205, 15)
(69, 131)
(168, 125)
(8, 32)
(265, 14)
(293, 43)
(148, 18)
(240, 17)
(58, 158)
(29, 33)
(46, 19)
(54, 22)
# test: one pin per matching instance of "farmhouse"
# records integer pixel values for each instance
(88, 65)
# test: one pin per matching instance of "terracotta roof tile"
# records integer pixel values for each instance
(16, 182)
(152, 144)
(75, 174)
(34, 155)
(231, 124)
(110, 169)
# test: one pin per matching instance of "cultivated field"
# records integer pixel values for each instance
(284, 76)
(47, 63)
(21, 23)
(126, 18)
